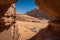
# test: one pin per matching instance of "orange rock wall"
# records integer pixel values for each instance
(51, 7)
(7, 2)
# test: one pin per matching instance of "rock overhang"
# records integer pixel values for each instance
(7, 2)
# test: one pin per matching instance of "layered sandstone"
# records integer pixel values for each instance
(38, 13)
(7, 13)
(51, 7)
(26, 18)
(7, 2)
(6, 21)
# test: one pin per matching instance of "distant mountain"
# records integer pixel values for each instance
(38, 14)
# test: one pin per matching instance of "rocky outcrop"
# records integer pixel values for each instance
(6, 21)
(26, 18)
(7, 13)
(7, 2)
(51, 7)
(39, 14)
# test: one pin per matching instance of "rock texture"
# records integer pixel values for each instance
(39, 14)
(7, 13)
(7, 2)
(51, 7)
(29, 25)
(6, 21)
(26, 18)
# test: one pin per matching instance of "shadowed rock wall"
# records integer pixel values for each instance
(7, 2)
(6, 21)
(7, 13)
(51, 7)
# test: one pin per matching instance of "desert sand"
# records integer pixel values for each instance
(27, 29)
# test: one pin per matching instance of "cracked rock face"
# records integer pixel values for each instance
(5, 2)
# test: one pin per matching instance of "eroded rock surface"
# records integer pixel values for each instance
(7, 13)
(26, 18)
(51, 7)
(38, 13)
(7, 2)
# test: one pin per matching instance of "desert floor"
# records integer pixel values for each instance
(26, 30)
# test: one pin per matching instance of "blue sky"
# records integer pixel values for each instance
(25, 5)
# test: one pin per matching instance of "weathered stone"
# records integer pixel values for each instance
(7, 2)
(51, 7)
(26, 18)
(7, 14)
(52, 31)
(38, 13)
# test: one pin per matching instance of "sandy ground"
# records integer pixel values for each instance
(26, 29)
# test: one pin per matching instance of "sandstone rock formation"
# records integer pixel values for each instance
(26, 18)
(7, 13)
(51, 7)
(7, 19)
(38, 14)
(7, 2)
